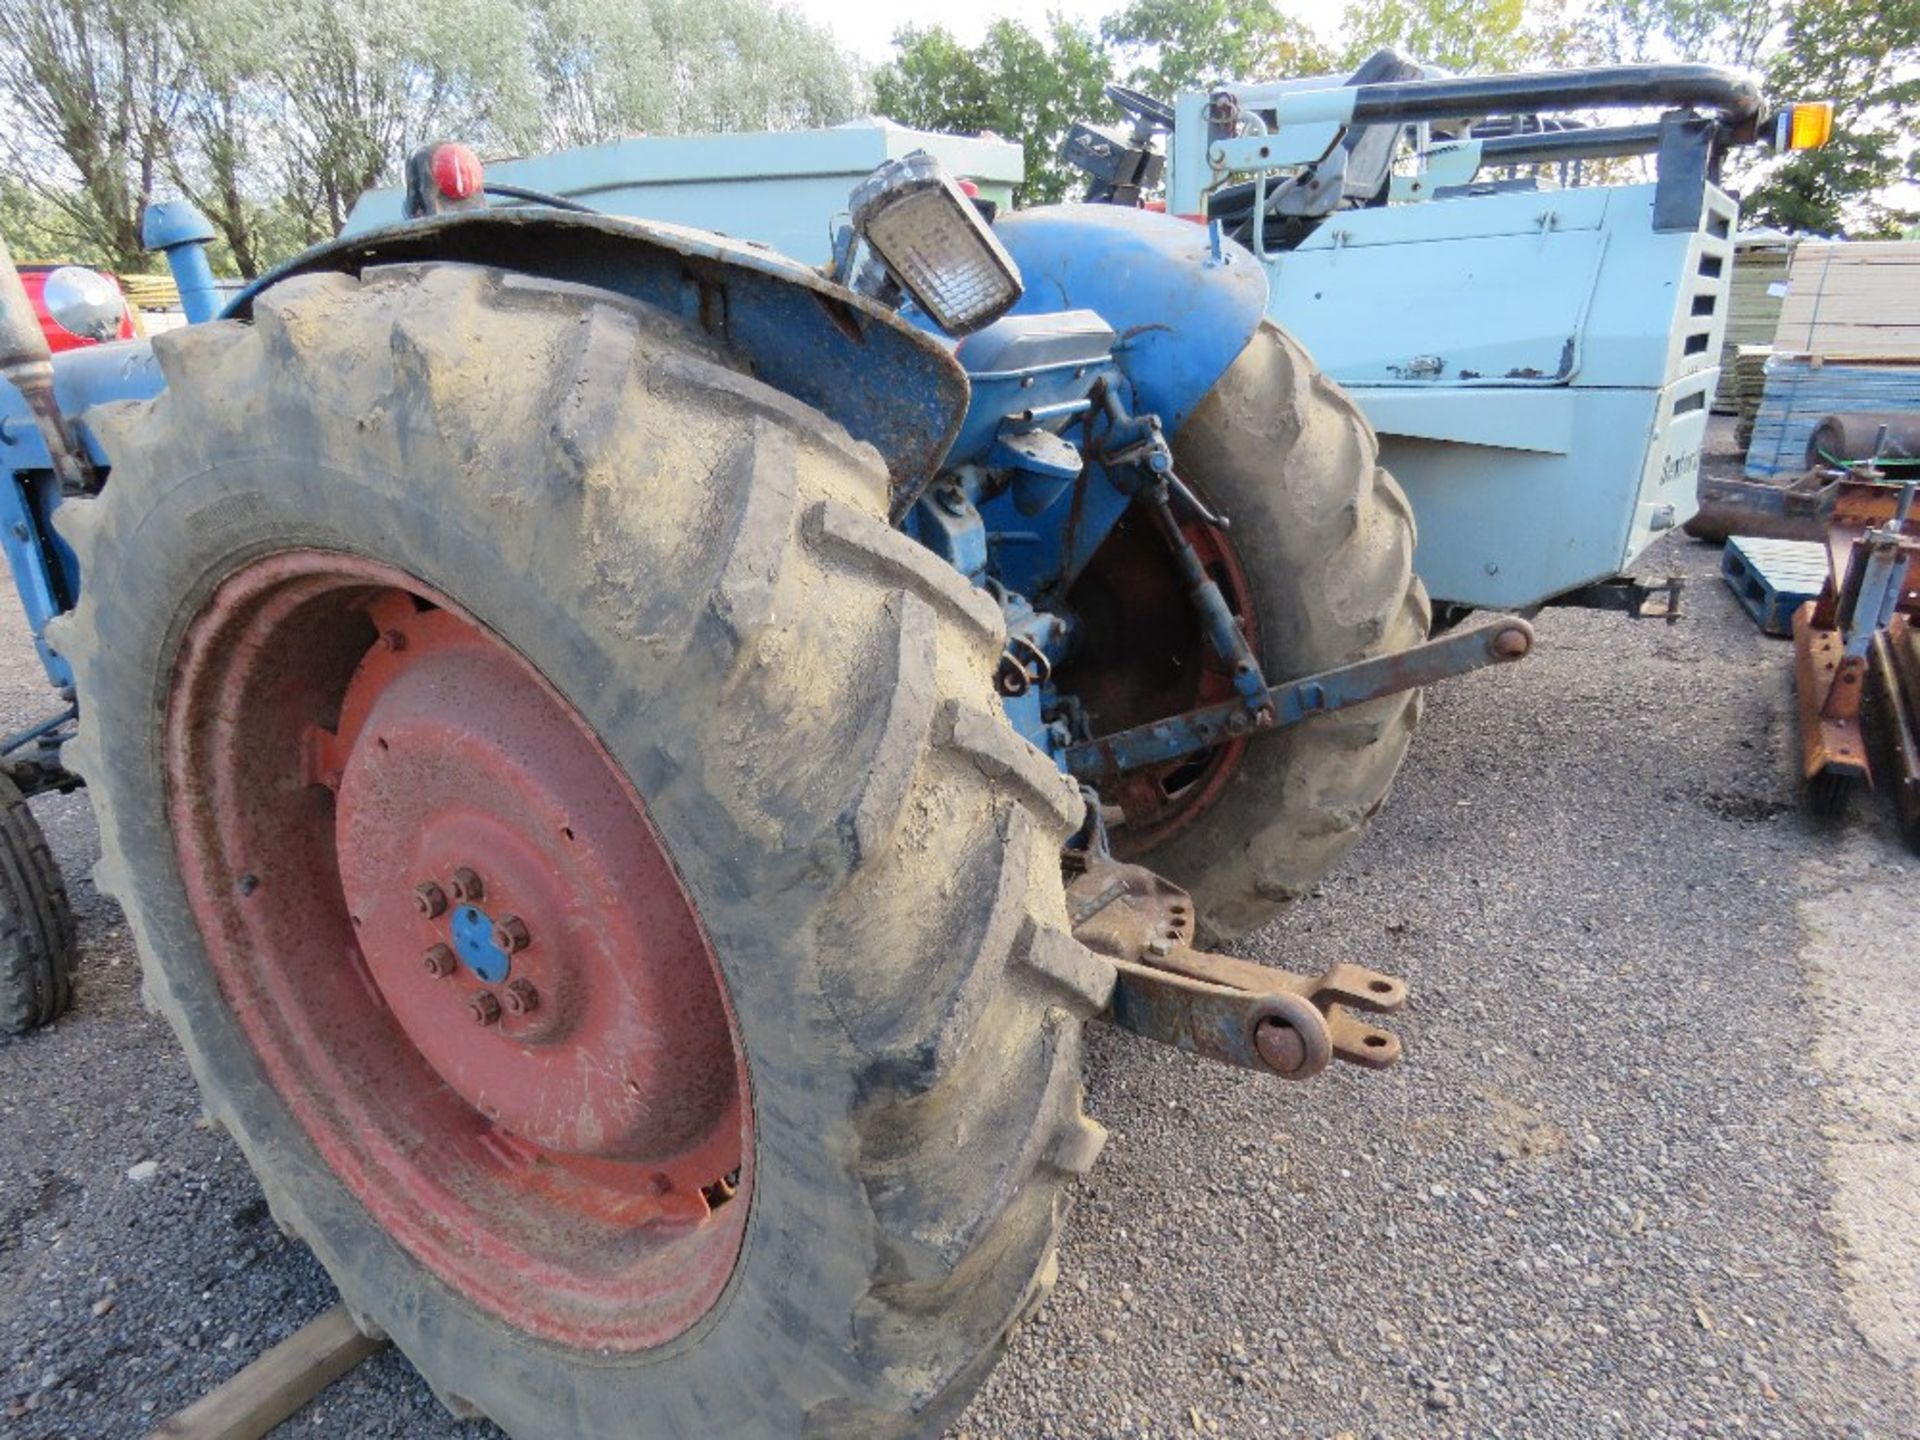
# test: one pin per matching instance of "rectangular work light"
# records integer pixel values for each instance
(935, 244)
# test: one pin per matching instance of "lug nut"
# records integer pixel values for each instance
(465, 886)
(439, 961)
(430, 900)
(485, 1008)
(520, 997)
(510, 933)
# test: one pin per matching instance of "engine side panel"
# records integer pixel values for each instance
(1539, 365)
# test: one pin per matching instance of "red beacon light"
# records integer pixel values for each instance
(442, 178)
(456, 171)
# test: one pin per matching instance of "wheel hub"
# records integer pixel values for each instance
(1147, 658)
(454, 760)
(525, 1066)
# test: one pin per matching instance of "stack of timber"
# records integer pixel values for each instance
(1852, 300)
(1848, 340)
(1749, 385)
(151, 292)
(1753, 306)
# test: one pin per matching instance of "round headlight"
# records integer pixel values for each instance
(84, 302)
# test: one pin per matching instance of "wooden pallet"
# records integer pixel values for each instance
(1772, 578)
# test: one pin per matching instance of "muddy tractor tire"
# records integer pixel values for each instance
(36, 922)
(579, 848)
(1318, 562)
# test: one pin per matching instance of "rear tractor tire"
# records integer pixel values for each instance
(581, 852)
(36, 923)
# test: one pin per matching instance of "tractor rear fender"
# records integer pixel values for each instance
(1183, 304)
(858, 362)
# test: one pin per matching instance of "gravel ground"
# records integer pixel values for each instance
(1648, 1168)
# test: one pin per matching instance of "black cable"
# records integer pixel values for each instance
(536, 197)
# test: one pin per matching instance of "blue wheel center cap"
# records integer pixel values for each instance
(473, 943)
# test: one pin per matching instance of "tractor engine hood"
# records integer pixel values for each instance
(83, 378)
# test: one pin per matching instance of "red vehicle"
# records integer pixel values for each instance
(77, 305)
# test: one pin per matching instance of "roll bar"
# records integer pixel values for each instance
(1734, 95)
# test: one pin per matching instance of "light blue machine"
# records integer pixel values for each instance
(780, 189)
(1539, 371)
(1538, 362)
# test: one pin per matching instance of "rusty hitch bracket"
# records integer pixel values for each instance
(1254, 1016)
(1497, 642)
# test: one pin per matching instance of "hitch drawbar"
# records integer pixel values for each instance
(1496, 642)
(1274, 1021)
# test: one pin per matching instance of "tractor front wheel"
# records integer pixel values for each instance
(36, 922)
(579, 848)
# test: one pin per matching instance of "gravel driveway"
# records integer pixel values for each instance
(1648, 1168)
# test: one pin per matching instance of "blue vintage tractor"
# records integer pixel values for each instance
(630, 759)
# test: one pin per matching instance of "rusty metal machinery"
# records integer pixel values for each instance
(1275, 1021)
(1856, 650)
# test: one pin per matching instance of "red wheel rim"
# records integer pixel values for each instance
(549, 1110)
(1143, 658)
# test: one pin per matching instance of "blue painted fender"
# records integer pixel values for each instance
(1183, 309)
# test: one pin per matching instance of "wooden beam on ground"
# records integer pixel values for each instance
(276, 1385)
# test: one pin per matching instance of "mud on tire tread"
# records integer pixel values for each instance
(36, 922)
(1327, 537)
(719, 596)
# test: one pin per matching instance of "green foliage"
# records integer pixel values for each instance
(37, 229)
(1722, 32)
(1463, 35)
(1185, 45)
(1864, 55)
(273, 116)
(1014, 83)
(85, 85)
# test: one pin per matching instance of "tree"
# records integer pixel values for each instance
(601, 70)
(1194, 44)
(607, 69)
(1477, 37)
(1725, 32)
(217, 135)
(351, 86)
(39, 228)
(1864, 55)
(752, 65)
(89, 85)
(1027, 87)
